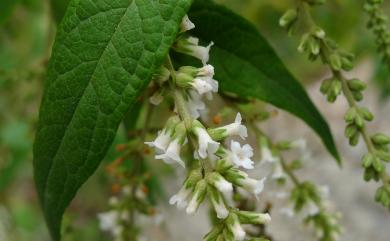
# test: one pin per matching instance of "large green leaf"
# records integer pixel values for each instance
(248, 66)
(104, 55)
(58, 8)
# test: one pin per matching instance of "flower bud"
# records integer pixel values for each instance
(380, 139)
(247, 217)
(219, 182)
(218, 203)
(186, 24)
(214, 234)
(162, 74)
(198, 197)
(366, 114)
(335, 62)
(356, 85)
(234, 226)
(183, 80)
(288, 18)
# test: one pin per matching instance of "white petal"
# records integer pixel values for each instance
(186, 24)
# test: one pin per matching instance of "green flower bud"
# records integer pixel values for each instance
(380, 139)
(357, 95)
(383, 196)
(367, 115)
(319, 33)
(350, 130)
(214, 233)
(335, 62)
(161, 75)
(385, 156)
(189, 70)
(193, 178)
(359, 121)
(303, 45)
(368, 159)
(288, 18)
(247, 217)
(350, 115)
(184, 80)
(354, 140)
(356, 85)
(325, 86)
(346, 64)
(314, 46)
(378, 165)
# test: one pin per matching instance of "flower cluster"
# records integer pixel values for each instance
(378, 23)
(214, 171)
(318, 45)
(306, 199)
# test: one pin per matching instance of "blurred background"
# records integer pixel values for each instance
(27, 30)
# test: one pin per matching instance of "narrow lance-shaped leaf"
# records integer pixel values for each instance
(248, 66)
(104, 55)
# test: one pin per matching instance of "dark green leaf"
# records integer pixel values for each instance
(58, 8)
(104, 55)
(248, 66)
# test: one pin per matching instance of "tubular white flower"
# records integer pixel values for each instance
(180, 198)
(248, 217)
(195, 104)
(172, 153)
(253, 185)
(200, 52)
(241, 156)
(186, 24)
(201, 86)
(277, 170)
(234, 129)
(207, 146)
(197, 198)
(160, 144)
(267, 156)
(190, 46)
(207, 71)
(220, 183)
(220, 209)
(235, 227)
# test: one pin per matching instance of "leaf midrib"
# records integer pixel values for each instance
(44, 190)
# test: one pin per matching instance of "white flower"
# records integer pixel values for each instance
(253, 185)
(223, 186)
(241, 156)
(238, 232)
(180, 199)
(186, 24)
(220, 208)
(277, 170)
(236, 128)
(108, 221)
(201, 85)
(162, 141)
(199, 52)
(207, 70)
(195, 104)
(221, 183)
(267, 156)
(172, 153)
(207, 146)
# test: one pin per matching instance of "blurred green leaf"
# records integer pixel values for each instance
(6, 9)
(248, 66)
(58, 8)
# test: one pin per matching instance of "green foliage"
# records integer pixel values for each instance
(58, 8)
(247, 65)
(104, 56)
(7, 6)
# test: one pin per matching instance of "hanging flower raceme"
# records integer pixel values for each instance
(215, 173)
